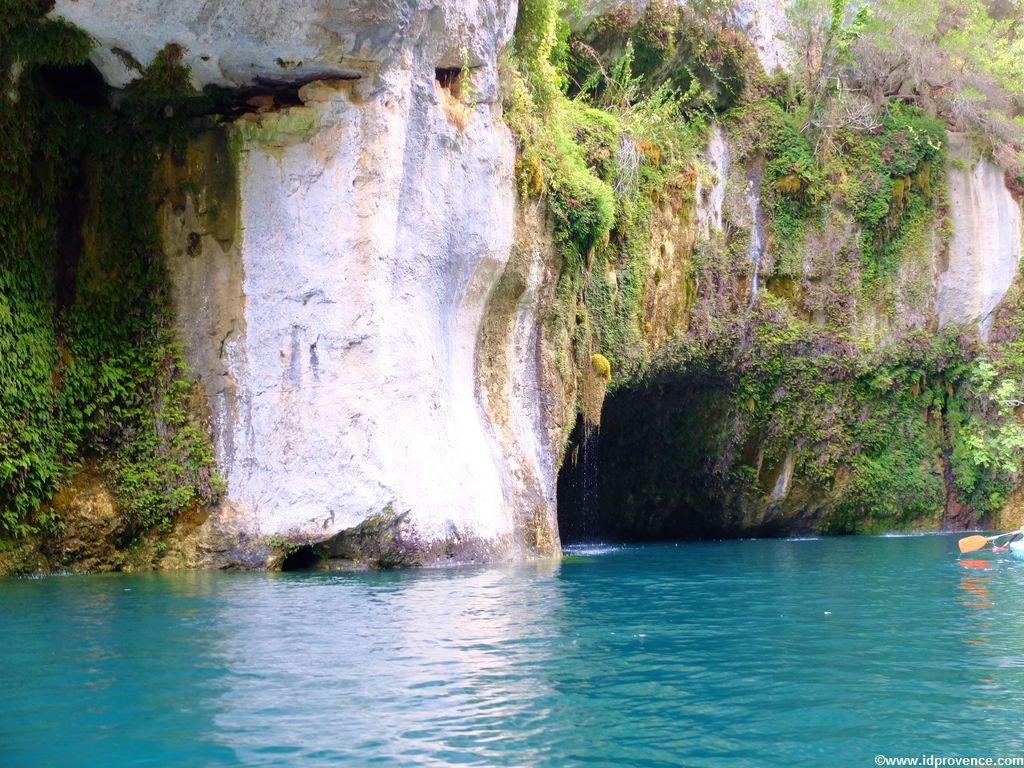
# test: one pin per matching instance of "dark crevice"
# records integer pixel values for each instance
(281, 92)
(449, 78)
(304, 558)
(956, 515)
(70, 219)
(85, 85)
(82, 85)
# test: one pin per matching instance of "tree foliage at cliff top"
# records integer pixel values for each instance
(959, 60)
(605, 140)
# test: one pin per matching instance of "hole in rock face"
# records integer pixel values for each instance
(269, 93)
(81, 84)
(449, 78)
(195, 244)
(653, 472)
(302, 559)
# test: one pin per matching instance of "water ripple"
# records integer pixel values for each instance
(746, 653)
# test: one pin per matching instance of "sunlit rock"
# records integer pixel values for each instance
(332, 265)
(985, 247)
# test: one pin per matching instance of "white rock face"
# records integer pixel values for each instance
(333, 316)
(765, 24)
(365, 281)
(986, 245)
(231, 43)
(711, 189)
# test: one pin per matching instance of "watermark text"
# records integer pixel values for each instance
(940, 760)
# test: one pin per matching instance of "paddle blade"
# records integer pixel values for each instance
(972, 543)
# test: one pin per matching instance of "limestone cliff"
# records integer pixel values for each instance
(332, 306)
(849, 319)
(686, 453)
(410, 270)
(985, 247)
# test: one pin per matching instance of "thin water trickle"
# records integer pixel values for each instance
(590, 500)
(756, 250)
(711, 187)
(714, 654)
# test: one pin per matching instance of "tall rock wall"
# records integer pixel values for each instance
(985, 247)
(365, 300)
(334, 263)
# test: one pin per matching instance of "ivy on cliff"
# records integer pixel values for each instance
(605, 145)
(88, 362)
(886, 434)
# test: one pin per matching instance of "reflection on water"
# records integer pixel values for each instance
(745, 653)
(376, 653)
(976, 598)
(984, 617)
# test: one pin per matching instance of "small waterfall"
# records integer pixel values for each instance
(785, 478)
(756, 249)
(589, 498)
(579, 487)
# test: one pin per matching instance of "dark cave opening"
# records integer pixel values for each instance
(449, 78)
(303, 558)
(82, 84)
(654, 471)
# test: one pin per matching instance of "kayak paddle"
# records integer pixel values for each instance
(974, 543)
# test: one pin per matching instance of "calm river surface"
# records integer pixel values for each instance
(742, 653)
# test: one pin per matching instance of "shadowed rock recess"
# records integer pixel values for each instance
(370, 285)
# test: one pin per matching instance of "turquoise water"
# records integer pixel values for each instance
(744, 653)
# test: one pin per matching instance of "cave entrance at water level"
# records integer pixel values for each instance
(647, 473)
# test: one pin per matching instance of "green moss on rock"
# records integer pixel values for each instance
(88, 362)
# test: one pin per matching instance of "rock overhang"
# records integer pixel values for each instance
(235, 45)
